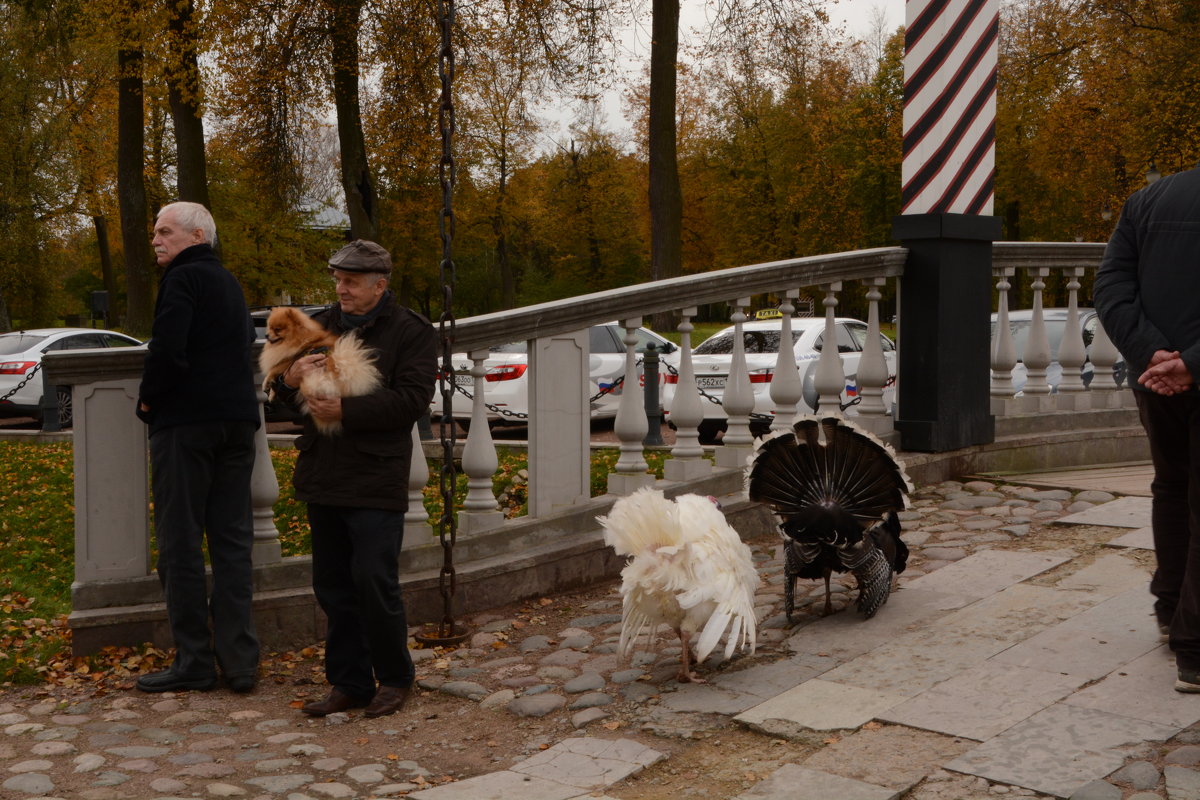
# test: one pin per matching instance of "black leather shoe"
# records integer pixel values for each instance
(335, 702)
(171, 681)
(242, 684)
(388, 700)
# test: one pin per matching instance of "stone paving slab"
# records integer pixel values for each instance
(589, 763)
(989, 571)
(1124, 512)
(1142, 689)
(914, 662)
(505, 785)
(1059, 749)
(887, 755)
(574, 767)
(735, 692)
(1015, 614)
(1141, 539)
(1130, 613)
(1079, 654)
(794, 782)
(983, 701)
(1110, 574)
(912, 665)
(847, 635)
(823, 706)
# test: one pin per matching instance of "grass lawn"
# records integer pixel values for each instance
(37, 553)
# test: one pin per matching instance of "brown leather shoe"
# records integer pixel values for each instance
(335, 702)
(388, 700)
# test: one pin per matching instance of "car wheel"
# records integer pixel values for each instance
(66, 411)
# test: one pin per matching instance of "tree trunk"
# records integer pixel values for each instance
(666, 201)
(183, 93)
(356, 174)
(106, 268)
(508, 282)
(131, 193)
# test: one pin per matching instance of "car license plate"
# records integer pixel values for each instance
(463, 379)
(710, 381)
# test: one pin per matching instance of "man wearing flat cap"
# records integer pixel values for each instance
(356, 485)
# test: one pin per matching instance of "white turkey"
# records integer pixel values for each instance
(835, 489)
(687, 569)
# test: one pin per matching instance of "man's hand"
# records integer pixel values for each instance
(326, 409)
(1167, 374)
(301, 367)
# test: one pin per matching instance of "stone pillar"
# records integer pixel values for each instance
(944, 330)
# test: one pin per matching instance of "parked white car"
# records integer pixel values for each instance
(507, 389)
(21, 358)
(711, 360)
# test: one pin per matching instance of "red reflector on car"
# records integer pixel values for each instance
(16, 367)
(760, 377)
(505, 372)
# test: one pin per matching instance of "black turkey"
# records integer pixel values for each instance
(836, 490)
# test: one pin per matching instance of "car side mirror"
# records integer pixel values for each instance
(668, 347)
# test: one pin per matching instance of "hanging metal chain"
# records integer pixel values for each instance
(24, 381)
(447, 632)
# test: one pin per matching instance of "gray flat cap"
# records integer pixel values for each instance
(362, 256)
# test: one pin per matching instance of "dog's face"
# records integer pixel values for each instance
(289, 324)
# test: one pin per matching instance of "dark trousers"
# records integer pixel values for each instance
(201, 481)
(356, 578)
(1173, 427)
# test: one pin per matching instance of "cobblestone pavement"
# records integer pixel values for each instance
(1017, 657)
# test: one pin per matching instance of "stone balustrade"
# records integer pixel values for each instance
(116, 597)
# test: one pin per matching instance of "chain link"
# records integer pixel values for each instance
(24, 381)
(447, 525)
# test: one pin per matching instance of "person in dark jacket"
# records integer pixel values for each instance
(1147, 293)
(356, 485)
(199, 399)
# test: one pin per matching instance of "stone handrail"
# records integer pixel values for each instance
(117, 599)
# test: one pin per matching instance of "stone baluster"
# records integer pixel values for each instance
(873, 373)
(687, 412)
(830, 378)
(417, 530)
(631, 425)
(480, 511)
(786, 387)
(1071, 352)
(1004, 352)
(1104, 387)
(264, 491)
(738, 399)
(1037, 349)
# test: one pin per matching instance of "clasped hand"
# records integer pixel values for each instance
(1167, 374)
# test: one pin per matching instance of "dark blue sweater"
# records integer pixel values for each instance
(198, 368)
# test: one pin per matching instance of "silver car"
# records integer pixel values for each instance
(1021, 323)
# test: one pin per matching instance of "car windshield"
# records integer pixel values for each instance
(18, 343)
(760, 341)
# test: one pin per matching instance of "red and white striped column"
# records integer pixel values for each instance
(950, 57)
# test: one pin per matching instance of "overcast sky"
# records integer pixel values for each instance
(856, 16)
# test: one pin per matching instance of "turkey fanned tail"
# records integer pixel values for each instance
(835, 490)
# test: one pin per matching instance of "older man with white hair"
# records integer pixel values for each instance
(198, 397)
